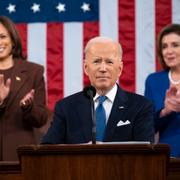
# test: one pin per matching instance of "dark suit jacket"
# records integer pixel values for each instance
(72, 120)
(16, 125)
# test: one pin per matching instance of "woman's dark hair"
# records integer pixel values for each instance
(17, 46)
(172, 28)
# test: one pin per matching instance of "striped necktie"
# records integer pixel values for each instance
(100, 119)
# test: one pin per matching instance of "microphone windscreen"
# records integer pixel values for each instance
(89, 91)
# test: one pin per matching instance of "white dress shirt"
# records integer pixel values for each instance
(108, 102)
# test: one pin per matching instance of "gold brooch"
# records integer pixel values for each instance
(18, 78)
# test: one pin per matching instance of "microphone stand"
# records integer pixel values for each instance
(93, 116)
(90, 92)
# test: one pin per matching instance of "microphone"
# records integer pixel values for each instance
(90, 92)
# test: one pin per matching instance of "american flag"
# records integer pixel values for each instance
(54, 33)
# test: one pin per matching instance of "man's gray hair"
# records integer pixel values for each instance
(102, 39)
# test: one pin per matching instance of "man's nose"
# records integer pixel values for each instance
(103, 66)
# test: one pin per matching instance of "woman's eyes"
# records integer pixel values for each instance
(2, 36)
(174, 44)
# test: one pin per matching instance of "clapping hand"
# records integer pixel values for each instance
(4, 88)
(172, 101)
(28, 99)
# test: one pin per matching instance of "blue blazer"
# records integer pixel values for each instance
(168, 126)
(155, 88)
(72, 120)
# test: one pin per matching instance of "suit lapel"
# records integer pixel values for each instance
(117, 112)
(18, 78)
(84, 114)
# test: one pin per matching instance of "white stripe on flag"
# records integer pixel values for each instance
(37, 43)
(36, 48)
(109, 18)
(145, 42)
(176, 11)
(73, 58)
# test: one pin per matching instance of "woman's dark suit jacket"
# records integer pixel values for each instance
(17, 125)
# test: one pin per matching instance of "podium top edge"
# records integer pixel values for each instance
(92, 148)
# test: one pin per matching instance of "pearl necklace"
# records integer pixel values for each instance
(171, 80)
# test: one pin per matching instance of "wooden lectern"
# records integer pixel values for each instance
(94, 162)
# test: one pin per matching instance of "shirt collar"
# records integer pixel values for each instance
(110, 95)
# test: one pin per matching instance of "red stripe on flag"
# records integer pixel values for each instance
(91, 29)
(163, 17)
(55, 65)
(127, 40)
(22, 29)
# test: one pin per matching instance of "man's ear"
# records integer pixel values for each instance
(120, 68)
(85, 67)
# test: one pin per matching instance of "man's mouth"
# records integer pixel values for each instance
(102, 77)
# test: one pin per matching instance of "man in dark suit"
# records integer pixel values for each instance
(129, 117)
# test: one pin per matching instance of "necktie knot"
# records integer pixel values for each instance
(101, 99)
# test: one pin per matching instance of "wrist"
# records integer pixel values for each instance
(164, 112)
(1, 102)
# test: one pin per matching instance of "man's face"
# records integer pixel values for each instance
(103, 65)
